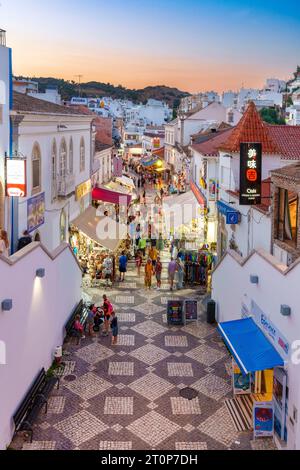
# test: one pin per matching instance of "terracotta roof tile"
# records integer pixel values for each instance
(28, 104)
(287, 138)
(251, 128)
(211, 143)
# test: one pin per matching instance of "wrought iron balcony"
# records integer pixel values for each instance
(65, 185)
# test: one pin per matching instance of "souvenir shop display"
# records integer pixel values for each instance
(198, 265)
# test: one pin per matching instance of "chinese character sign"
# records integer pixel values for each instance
(250, 174)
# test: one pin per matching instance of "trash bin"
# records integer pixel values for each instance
(58, 353)
(211, 312)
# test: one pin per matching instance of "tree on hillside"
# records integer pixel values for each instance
(271, 116)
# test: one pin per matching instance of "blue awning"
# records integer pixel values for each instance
(224, 208)
(249, 346)
(149, 161)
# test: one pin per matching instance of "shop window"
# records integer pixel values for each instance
(63, 226)
(287, 227)
(71, 157)
(82, 155)
(36, 169)
(54, 169)
(63, 159)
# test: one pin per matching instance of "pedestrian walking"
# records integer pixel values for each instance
(90, 320)
(171, 272)
(107, 309)
(158, 271)
(148, 274)
(180, 273)
(108, 270)
(139, 262)
(143, 246)
(144, 198)
(4, 244)
(153, 254)
(123, 260)
(114, 329)
(79, 329)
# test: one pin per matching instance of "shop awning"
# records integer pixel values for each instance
(126, 182)
(182, 209)
(249, 346)
(147, 162)
(103, 230)
(198, 195)
(224, 208)
(113, 197)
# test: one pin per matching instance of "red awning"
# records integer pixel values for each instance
(105, 195)
(198, 195)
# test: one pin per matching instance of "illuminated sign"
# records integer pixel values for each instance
(250, 174)
(16, 177)
(83, 189)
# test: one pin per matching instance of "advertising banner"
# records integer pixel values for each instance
(117, 167)
(263, 419)
(191, 310)
(212, 189)
(175, 312)
(241, 382)
(250, 173)
(35, 212)
(16, 177)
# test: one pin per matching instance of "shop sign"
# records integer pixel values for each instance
(156, 143)
(191, 310)
(281, 403)
(280, 342)
(175, 312)
(263, 419)
(35, 212)
(232, 218)
(83, 189)
(16, 177)
(250, 173)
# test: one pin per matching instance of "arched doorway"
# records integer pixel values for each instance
(1, 205)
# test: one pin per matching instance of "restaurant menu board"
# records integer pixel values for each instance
(175, 312)
(263, 419)
(191, 310)
(241, 382)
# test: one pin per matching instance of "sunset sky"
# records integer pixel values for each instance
(194, 45)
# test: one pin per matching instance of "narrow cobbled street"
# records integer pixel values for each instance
(129, 396)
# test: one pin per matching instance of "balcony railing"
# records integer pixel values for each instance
(2, 37)
(65, 185)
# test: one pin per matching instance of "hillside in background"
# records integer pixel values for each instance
(91, 89)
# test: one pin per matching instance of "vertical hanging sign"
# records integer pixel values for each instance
(250, 174)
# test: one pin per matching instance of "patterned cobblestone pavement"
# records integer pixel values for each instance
(128, 396)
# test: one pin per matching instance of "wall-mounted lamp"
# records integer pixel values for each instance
(285, 310)
(254, 279)
(40, 272)
(7, 305)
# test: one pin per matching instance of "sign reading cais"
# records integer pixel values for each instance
(250, 174)
(83, 189)
(16, 177)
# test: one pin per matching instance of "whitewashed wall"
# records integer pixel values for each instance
(35, 326)
(231, 288)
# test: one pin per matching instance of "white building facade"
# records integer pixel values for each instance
(57, 144)
(5, 97)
